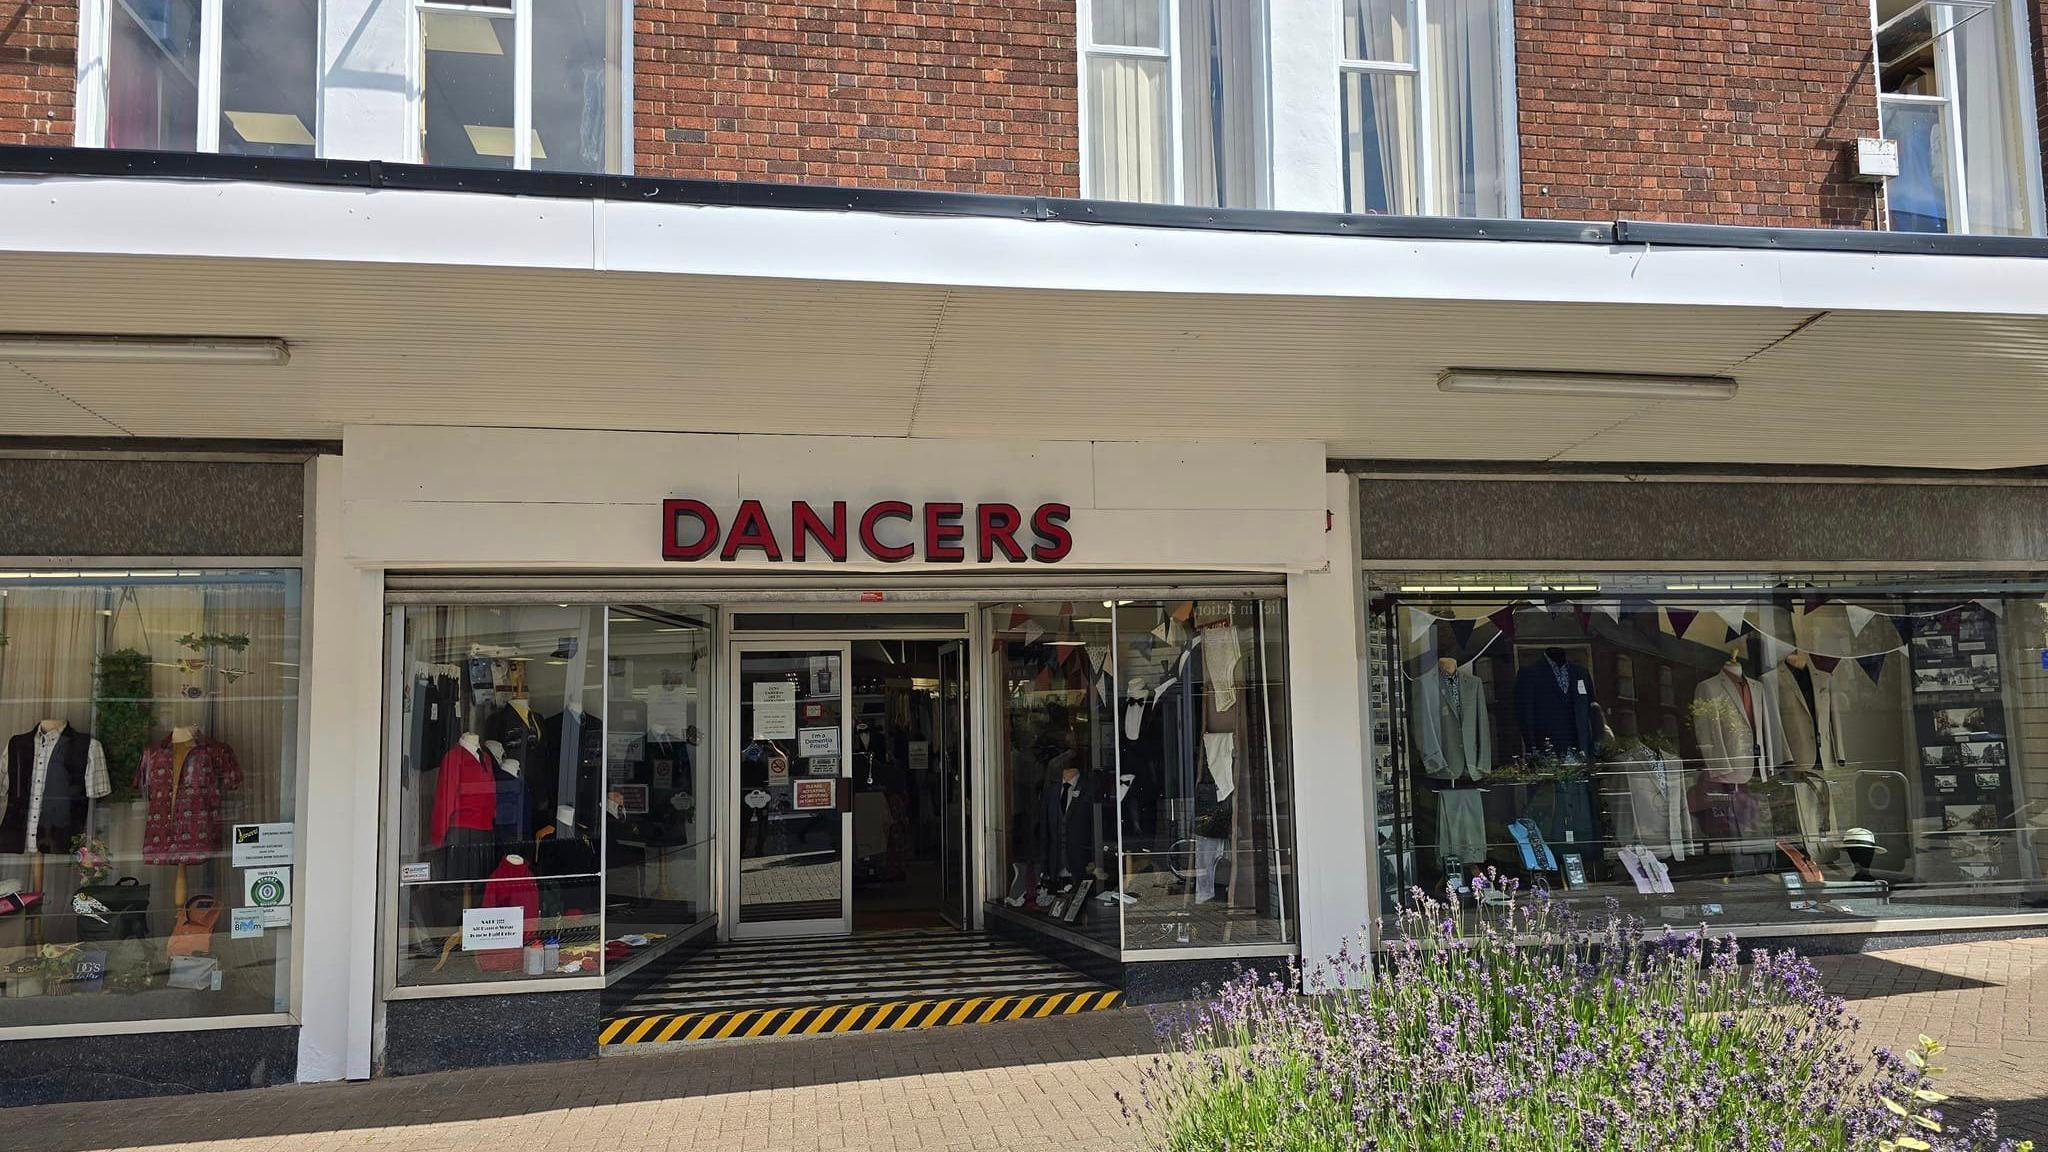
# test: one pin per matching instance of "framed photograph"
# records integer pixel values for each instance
(1574, 870)
(1945, 782)
(1936, 648)
(1990, 781)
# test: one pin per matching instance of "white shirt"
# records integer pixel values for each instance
(97, 784)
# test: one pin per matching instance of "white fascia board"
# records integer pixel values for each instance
(296, 222)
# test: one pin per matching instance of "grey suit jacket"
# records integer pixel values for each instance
(1454, 745)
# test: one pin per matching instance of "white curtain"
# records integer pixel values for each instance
(1988, 100)
(1462, 54)
(1128, 150)
(1222, 56)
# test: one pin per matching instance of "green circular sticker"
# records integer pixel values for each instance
(266, 891)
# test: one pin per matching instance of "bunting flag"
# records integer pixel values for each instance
(1735, 617)
(1610, 608)
(1017, 617)
(1681, 620)
(1183, 610)
(1504, 620)
(1873, 665)
(1032, 632)
(1859, 618)
(1461, 631)
(1585, 617)
(1419, 624)
(1043, 681)
(1827, 664)
(1815, 601)
(1995, 607)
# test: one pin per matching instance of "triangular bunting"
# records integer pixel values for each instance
(1504, 620)
(1735, 617)
(1859, 618)
(1681, 620)
(1420, 623)
(1995, 607)
(1815, 601)
(1873, 666)
(1610, 608)
(1827, 664)
(1585, 617)
(1461, 631)
(1018, 617)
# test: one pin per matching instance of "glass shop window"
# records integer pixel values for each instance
(1808, 758)
(147, 844)
(1144, 794)
(1425, 95)
(552, 807)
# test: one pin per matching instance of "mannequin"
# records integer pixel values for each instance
(1736, 725)
(1454, 737)
(183, 780)
(54, 773)
(1067, 811)
(513, 817)
(464, 823)
(1554, 707)
(1810, 720)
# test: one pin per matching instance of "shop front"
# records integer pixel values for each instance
(678, 699)
(1778, 707)
(151, 631)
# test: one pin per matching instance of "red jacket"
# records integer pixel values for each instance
(511, 886)
(467, 794)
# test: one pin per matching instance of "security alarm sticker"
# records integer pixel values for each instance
(415, 873)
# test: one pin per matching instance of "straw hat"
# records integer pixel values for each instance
(1861, 838)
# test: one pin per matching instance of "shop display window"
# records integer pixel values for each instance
(147, 836)
(1144, 795)
(552, 817)
(1812, 757)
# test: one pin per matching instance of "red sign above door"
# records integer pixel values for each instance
(892, 531)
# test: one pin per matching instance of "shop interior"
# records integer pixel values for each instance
(1825, 755)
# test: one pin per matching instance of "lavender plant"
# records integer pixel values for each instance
(1538, 1032)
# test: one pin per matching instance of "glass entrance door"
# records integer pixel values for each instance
(955, 859)
(790, 772)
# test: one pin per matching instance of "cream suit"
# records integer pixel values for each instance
(1813, 741)
(1734, 749)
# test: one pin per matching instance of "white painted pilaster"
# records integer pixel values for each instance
(1326, 674)
(1308, 161)
(336, 930)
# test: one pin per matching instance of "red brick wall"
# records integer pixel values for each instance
(1740, 112)
(38, 55)
(963, 95)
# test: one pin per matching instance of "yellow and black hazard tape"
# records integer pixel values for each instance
(821, 1019)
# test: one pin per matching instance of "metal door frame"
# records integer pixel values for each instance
(960, 915)
(729, 775)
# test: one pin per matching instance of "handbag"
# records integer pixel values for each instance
(193, 972)
(126, 915)
(193, 933)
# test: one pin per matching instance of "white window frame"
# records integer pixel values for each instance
(1958, 176)
(1425, 145)
(521, 15)
(1169, 20)
(95, 33)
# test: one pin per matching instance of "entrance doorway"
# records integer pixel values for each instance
(851, 784)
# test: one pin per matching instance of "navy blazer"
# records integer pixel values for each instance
(1552, 721)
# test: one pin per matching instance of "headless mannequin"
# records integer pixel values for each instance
(182, 741)
(35, 880)
(473, 744)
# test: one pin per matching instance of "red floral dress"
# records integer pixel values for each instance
(184, 806)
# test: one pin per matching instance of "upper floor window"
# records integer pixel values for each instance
(1428, 107)
(1174, 101)
(522, 84)
(1955, 95)
(202, 75)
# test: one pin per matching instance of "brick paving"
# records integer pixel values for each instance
(1034, 1084)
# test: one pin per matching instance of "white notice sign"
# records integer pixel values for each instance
(920, 755)
(818, 742)
(256, 845)
(775, 711)
(490, 929)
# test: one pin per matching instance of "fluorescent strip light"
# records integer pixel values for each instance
(32, 348)
(1495, 382)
